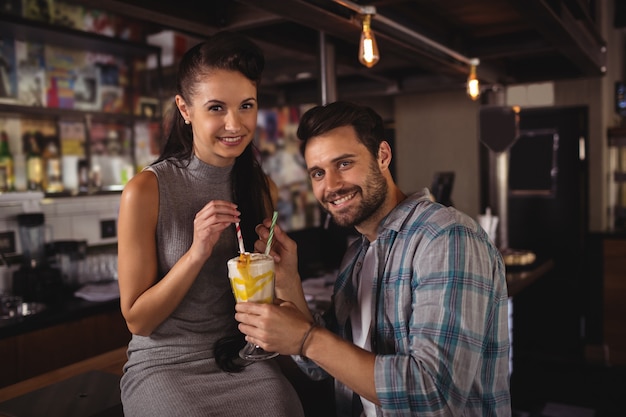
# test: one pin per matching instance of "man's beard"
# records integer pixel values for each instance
(374, 192)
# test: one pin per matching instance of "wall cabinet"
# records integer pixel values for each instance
(90, 95)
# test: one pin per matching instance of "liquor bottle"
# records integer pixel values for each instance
(6, 164)
(52, 179)
(83, 176)
(34, 165)
(19, 165)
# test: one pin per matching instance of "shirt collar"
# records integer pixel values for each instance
(396, 217)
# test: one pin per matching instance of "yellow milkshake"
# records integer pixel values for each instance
(252, 277)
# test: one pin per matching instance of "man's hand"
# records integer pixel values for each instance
(287, 285)
(275, 327)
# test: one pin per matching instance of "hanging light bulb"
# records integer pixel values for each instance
(473, 86)
(368, 49)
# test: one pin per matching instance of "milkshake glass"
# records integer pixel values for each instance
(252, 279)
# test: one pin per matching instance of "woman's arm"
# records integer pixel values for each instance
(146, 303)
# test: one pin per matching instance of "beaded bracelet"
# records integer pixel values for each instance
(306, 335)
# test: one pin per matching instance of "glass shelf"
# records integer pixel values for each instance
(35, 31)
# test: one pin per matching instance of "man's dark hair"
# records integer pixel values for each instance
(322, 119)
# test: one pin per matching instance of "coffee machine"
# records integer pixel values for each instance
(35, 280)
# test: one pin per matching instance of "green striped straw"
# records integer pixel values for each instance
(269, 239)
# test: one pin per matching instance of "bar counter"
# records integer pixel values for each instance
(102, 369)
(73, 308)
(65, 332)
(67, 309)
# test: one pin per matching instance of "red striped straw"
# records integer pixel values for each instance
(239, 238)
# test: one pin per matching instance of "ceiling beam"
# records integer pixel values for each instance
(576, 38)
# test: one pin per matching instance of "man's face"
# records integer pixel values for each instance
(346, 179)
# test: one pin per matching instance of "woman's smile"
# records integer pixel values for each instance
(231, 140)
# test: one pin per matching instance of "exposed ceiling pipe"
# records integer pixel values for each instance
(327, 68)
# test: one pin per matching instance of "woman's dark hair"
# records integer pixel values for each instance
(322, 119)
(232, 52)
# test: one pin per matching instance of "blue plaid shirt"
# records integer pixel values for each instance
(440, 316)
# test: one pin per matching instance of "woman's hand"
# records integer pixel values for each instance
(209, 224)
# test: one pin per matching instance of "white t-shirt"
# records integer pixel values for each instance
(361, 318)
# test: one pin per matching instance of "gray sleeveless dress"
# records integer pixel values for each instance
(172, 372)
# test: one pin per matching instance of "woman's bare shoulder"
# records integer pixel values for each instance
(142, 189)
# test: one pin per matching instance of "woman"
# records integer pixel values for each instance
(176, 233)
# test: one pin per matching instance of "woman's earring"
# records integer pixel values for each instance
(187, 122)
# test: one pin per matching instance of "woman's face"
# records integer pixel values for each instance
(223, 116)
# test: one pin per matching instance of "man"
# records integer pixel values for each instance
(419, 320)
